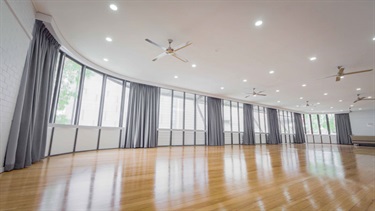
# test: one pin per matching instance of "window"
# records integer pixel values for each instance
(178, 110)
(315, 123)
(227, 122)
(234, 117)
(256, 119)
(165, 108)
(112, 103)
(126, 105)
(200, 112)
(68, 93)
(332, 125)
(92, 89)
(263, 120)
(307, 124)
(240, 107)
(323, 124)
(281, 122)
(189, 111)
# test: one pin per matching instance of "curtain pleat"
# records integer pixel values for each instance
(249, 133)
(215, 125)
(27, 137)
(273, 127)
(300, 134)
(343, 129)
(143, 116)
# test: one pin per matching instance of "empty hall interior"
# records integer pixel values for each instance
(187, 105)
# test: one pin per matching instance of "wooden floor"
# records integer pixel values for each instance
(262, 177)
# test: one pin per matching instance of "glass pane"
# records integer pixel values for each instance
(307, 124)
(200, 118)
(112, 103)
(68, 93)
(165, 108)
(263, 120)
(323, 124)
(281, 122)
(226, 115)
(234, 117)
(91, 94)
(315, 124)
(126, 105)
(332, 124)
(240, 107)
(256, 120)
(265, 114)
(292, 123)
(178, 110)
(189, 111)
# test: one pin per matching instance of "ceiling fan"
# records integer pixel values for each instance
(308, 104)
(260, 93)
(362, 98)
(340, 74)
(170, 51)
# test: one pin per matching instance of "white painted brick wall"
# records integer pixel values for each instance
(14, 43)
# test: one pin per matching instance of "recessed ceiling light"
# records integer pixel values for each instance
(369, 97)
(271, 72)
(340, 101)
(277, 90)
(113, 7)
(312, 58)
(325, 93)
(360, 109)
(358, 89)
(331, 107)
(318, 103)
(341, 110)
(301, 98)
(297, 105)
(342, 77)
(194, 65)
(312, 109)
(244, 80)
(373, 38)
(303, 85)
(258, 23)
(176, 76)
(105, 59)
(351, 105)
(278, 101)
(108, 39)
(221, 87)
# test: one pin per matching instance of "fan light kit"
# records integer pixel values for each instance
(170, 51)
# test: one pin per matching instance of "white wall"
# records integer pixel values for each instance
(15, 35)
(363, 122)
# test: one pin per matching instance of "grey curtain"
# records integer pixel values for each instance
(300, 134)
(273, 127)
(215, 125)
(343, 129)
(248, 116)
(28, 133)
(143, 116)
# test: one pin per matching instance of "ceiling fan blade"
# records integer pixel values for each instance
(175, 55)
(156, 44)
(159, 56)
(362, 71)
(261, 94)
(183, 46)
(247, 96)
(355, 101)
(338, 78)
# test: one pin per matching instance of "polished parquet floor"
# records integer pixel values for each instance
(261, 177)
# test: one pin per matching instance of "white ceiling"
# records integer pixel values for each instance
(228, 48)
